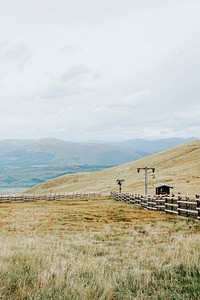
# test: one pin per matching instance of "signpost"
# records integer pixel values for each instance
(119, 182)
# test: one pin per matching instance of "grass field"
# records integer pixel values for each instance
(96, 249)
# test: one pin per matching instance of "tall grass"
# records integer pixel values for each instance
(97, 249)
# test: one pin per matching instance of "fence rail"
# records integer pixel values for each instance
(174, 204)
(47, 197)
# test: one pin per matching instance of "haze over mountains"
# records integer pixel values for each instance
(30, 153)
(26, 153)
(178, 167)
(24, 163)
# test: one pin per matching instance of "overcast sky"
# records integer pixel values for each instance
(87, 70)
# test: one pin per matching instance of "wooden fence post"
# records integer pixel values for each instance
(198, 209)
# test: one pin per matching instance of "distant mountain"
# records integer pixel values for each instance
(154, 146)
(179, 167)
(24, 163)
(53, 152)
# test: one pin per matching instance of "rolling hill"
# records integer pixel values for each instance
(54, 152)
(179, 167)
(25, 163)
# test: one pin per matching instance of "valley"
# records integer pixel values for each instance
(14, 180)
(26, 163)
(178, 167)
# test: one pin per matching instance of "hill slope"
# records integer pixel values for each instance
(25, 163)
(179, 167)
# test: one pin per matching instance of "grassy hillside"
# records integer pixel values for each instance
(25, 163)
(92, 249)
(179, 167)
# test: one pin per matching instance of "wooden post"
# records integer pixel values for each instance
(198, 209)
(146, 177)
(119, 182)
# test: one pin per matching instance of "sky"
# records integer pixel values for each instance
(97, 70)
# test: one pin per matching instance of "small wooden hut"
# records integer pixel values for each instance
(162, 188)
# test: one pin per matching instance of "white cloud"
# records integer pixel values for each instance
(100, 70)
(15, 56)
(70, 49)
(75, 72)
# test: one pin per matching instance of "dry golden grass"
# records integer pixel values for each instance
(179, 167)
(75, 215)
(91, 249)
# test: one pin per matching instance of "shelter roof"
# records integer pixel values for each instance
(160, 184)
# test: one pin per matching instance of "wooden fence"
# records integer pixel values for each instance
(174, 204)
(47, 197)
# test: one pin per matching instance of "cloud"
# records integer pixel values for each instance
(70, 49)
(15, 121)
(80, 73)
(75, 80)
(18, 54)
(75, 72)
(60, 90)
(97, 70)
(65, 111)
(130, 101)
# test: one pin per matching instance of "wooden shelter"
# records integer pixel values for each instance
(162, 188)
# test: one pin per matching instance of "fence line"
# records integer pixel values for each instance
(174, 204)
(46, 197)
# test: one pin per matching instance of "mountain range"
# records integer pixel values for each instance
(46, 152)
(178, 167)
(24, 163)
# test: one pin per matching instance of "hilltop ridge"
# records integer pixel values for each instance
(179, 167)
(27, 162)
